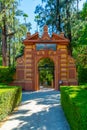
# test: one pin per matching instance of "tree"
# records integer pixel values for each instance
(58, 15)
(12, 30)
(68, 18)
(80, 45)
(5, 25)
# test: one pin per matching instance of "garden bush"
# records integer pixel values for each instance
(82, 75)
(10, 97)
(6, 74)
(74, 103)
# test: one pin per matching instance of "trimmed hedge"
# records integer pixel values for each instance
(10, 97)
(6, 74)
(74, 103)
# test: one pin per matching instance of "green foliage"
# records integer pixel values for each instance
(20, 52)
(25, 15)
(10, 97)
(79, 27)
(79, 33)
(82, 75)
(6, 74)
(0, 61)
(46, 73)
(83, 38)
(48, 14)
(80, 54)
(11, 30)
(84, 11)
(74, 103)
(57, 14)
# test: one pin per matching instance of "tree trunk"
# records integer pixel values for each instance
(4, 44)
(58, 18)
(77, 8)
(9, 55)
(14, 52)
(68, 26)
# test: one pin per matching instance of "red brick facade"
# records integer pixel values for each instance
(27, 74)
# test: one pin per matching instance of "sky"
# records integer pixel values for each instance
(28, 6)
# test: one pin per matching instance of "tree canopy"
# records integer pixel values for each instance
(11, 30)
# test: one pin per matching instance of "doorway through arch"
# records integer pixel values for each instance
(46, 73)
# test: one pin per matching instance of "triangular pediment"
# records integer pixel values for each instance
(45, 37)
(33, 37)
(58, 36)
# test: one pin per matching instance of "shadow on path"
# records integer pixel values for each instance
(39, 110)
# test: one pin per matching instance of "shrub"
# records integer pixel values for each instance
(6, 74)
(82, 75)
(74, 103)
(0, 60)
(10, 97)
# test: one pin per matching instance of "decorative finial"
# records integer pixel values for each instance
(45, 28)
(28, 34)
(62, 34)
(45, 35)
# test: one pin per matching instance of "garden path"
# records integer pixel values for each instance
(40, 110)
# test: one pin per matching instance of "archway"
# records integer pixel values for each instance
(37, 48)
(46, 73)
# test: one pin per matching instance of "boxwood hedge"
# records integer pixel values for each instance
(10, 97)
(6, 74)
(74, 103)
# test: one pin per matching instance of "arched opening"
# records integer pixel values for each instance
(46, 73)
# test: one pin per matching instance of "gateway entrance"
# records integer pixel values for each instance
(38, 48)
(46, 73)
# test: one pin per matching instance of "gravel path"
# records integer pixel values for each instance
(39, 110)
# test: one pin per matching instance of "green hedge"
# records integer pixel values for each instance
(10, 97)
(6, 74)
(82, 75)
(74, 103)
